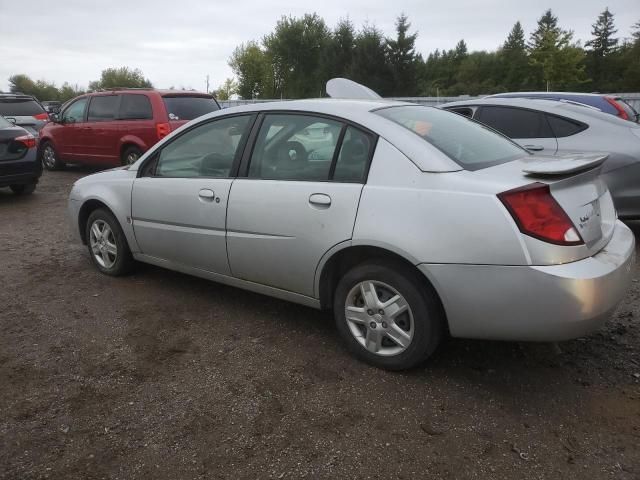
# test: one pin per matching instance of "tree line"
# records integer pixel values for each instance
(301, 54)
(297, 58)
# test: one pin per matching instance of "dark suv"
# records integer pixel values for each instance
(24, 110)
(115, 127)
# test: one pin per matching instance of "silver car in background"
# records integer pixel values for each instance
(550, 127)
(407, 222)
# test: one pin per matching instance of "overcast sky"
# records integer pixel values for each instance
(177, 43)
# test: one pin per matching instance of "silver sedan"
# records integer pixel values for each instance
(409, 223)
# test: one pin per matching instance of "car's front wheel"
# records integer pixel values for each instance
(49, 157)
(387, 315)
(108, 247)
(27, 189)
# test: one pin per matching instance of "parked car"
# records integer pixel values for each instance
(612, 104)
(548, 127)
(27, 112)
(406, 221)
(52, 106)
(114, 128)
(19, 166)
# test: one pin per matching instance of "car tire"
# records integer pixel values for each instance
(377, 332)
(130, 155)
(107, 244)
(49, 157)
(24, 189)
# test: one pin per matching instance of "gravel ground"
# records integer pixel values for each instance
(164, 376)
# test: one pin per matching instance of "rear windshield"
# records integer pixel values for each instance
(468, 143)
(19, 107)
(188, 108)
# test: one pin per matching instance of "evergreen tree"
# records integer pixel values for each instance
(514, 60)
(402, 58)
(603, 41)
(370, 65)
(340, 50)
(547, 23)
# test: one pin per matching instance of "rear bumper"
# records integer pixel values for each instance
(536, 303)
(22, 171)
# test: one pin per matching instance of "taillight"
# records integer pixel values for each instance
(28, 140)
(538, 215)
(42, 116)
(163, 129)
(621, 113)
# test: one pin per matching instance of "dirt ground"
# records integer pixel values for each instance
(163, 376)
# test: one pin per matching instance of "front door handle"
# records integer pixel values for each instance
(534, 148)
(206, 194)
(320, 200)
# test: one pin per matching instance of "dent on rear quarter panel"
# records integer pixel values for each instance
(433, 217)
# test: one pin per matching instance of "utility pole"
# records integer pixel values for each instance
(207, 90)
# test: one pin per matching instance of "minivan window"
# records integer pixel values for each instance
(187, 108)
(74, 113)
(516, 122)
(102, 108)
(13, 107)
(468, 143)
(135, 107)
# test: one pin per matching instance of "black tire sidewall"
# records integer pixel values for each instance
(427, 316)
(124, 260)
(126, 153)
(23, 189)
(57, 165)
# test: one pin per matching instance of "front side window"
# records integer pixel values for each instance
(102, 108)
(470, 144)
(135, 107)
(208, 150)
(295, 147)
(74, 113)
(516, 122)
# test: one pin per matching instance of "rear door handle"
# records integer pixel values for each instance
(534, 148)
(206, 194)
(320, 200)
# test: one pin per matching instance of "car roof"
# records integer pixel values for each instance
(161, 92)
(425, 156)
(16, 96)
(546, 94)
(584, 113)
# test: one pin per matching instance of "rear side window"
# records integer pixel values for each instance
(187, 108)
(102, 108)
(353, 158)
(516, 122)
(20, 107)
(135, 107)
(470, 144)
(563, 127)
(464, 111)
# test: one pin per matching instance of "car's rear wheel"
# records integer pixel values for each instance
(130, 155)
(25, 189)
(108, 247)
(49, 157)
(388, 315)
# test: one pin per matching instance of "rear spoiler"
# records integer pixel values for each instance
(564, 164)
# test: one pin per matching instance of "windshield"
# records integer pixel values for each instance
(188, 108)
(468, 143)
(19, 107)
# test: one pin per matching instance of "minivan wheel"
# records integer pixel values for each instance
(49, 157)
(388, 315)
(107, 244)
(23, 189)
(130, 155)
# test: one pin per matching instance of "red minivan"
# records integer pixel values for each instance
(115, 127)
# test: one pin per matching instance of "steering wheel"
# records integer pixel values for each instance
(294, 151)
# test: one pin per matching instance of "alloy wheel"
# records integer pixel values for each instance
(379, 318)
(49, 157)
(103, 244)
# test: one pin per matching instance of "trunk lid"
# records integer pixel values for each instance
(575, 184)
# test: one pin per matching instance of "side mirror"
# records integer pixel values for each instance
(54, 118)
